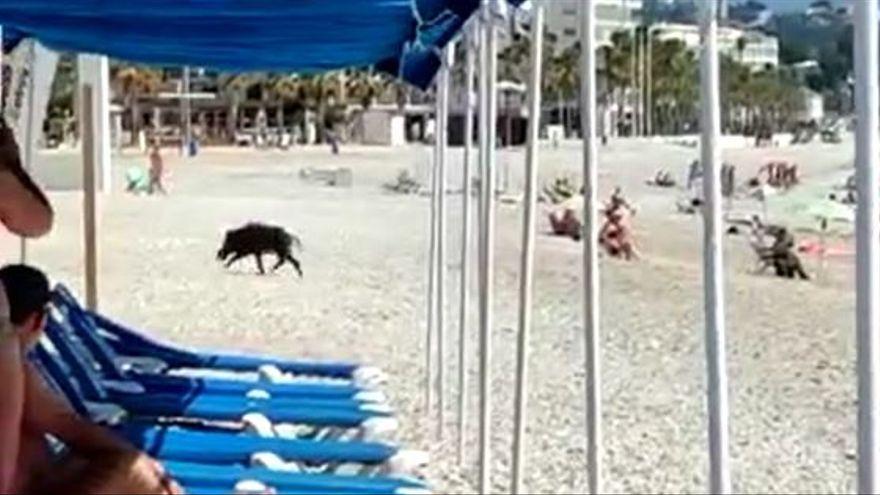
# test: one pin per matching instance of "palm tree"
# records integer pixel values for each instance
(284, 88)
(319, 93)
(233, 87)
(133, 82)
(674, 84)
(366, 87)
(562, 78)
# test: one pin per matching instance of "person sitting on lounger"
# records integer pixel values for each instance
(95, 461)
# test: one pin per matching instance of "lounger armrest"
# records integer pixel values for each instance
(123, 387)
(145, 365)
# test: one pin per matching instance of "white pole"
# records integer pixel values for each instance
(102, 122)
(29, 131)
(90, 186)
(186, 111)
(432, 277)
(713, 262)
(592, 336)
(466, 228)
(649, 92)
(488, 247)
(867, 241)
(442, 138)
(528, 252)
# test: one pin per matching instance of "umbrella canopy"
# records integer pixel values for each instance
(400, 37)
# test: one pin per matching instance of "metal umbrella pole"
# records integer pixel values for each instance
(592, 335)
(466, 228)
(527, 260)
(490, 69)
(29, 131)
(713, 261)
(442, 150)
(867, 241)
(432, 278)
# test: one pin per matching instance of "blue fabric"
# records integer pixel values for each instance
(401, 37)
(188, 445)
(214, 445)
(228, 475)
(311, 411)
(129, 342)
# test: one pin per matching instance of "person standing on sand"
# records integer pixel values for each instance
(157, 170)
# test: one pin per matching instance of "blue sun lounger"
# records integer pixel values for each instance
(127, 394)
(208, 443)
(110, 361)
(129, 342)
(198, 478)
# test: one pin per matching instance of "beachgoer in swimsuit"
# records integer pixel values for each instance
(157, 170)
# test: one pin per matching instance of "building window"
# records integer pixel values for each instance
(570, 12)
(570, 32)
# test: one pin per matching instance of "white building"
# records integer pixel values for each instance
(752, 48)
(563, 19)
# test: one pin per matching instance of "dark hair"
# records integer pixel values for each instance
(27, 290)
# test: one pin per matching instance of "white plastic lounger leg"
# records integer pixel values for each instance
(292, 431)
(271, 460)
(376, 396)
(251, 487)
(105, 413)
(259, 425)
(369, 377)
(407, 462)
(366, 377)
(258, 394)
(142, 364)
(379, 429)
(376, 408)
(409, 490)
(270, 373)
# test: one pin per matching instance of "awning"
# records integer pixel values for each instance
(400, 37)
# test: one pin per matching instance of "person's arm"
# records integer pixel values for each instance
(20, 211)
(44, 413)
(47, 413)
(12, 405)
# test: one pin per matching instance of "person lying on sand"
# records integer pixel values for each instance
(663, 178)
(95, 461)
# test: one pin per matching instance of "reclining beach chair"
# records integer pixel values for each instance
(112, 366)
(130, 343)
(223, 443)
(132, 397)
(209, 478)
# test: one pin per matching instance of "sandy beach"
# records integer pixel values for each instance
(791, 344)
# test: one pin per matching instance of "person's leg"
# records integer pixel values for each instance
(798, 268)
(121, 474)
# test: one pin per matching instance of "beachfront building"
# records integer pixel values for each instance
(753, 48)
(612, 15)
